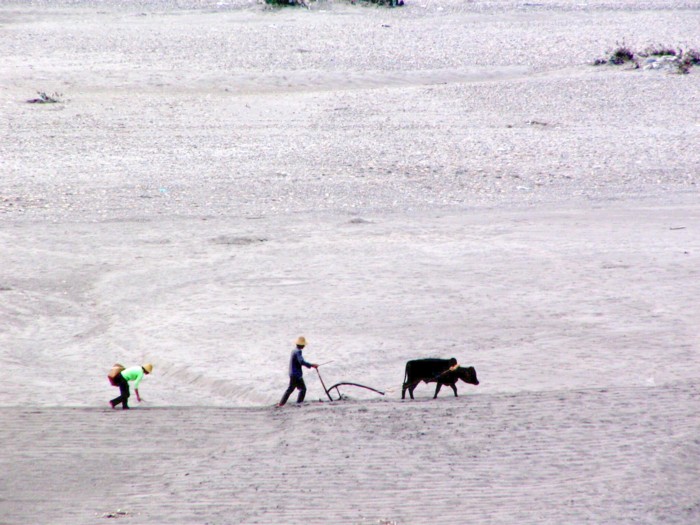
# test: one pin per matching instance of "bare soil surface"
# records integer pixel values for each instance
(445, 179)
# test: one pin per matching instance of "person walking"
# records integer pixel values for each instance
(296, 374)
(135, 374)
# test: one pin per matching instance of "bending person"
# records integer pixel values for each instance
(135, 374)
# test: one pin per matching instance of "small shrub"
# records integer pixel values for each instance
(388, 3)
(621, 55)
(659, 51)
(692, 56)
(618, 56)
(688, 59)
(286, 3)
(684, 68)
(43, 98)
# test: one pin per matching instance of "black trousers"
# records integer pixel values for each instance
(294, 382)
(123, 398)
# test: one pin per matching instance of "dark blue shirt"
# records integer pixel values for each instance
(295, 364)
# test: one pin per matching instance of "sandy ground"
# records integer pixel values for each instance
(445, 179)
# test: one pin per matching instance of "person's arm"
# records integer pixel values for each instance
(303, 362)
(136, 385)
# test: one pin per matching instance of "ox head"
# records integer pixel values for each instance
(468, 375)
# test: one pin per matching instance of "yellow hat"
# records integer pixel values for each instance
(148, 367)
(301, 341)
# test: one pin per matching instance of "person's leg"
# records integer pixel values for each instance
(114, 402)
(302, 390)
(124, 389)
(287, 392)
(119, 381)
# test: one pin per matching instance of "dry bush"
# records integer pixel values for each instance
(44, 98)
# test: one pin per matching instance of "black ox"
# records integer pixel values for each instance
(440, 371)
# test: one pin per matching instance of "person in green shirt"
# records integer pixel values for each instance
(135, 374)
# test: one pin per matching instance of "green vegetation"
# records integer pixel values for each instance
(677, 58)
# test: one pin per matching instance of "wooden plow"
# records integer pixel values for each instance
(344, 383)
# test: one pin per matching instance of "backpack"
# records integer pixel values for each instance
(114, 372)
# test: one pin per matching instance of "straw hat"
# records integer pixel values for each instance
(301, 341)
(148, 367)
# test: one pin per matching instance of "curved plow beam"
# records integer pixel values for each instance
(340, 396)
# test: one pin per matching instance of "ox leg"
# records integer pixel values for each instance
(437, 389)
(454, 389)
(403, 391)
(410, 390)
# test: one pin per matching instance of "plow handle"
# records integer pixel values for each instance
(323, 385)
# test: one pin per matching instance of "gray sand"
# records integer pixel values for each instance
(446, 179)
